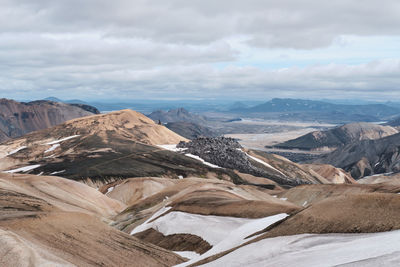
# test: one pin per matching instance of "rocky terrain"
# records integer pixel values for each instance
(227, 153)
(338, 136)
(17, 119)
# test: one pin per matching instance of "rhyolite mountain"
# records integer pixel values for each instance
(18, 118)
(338, 136)
(367, 157)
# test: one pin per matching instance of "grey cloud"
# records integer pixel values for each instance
(298, 24)
(179, 48)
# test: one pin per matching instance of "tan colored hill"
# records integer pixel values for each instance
(101, 147)
(385, 179)
(63, 194)
(17, 119)
(127, 123)
(309, 194)
(355, 213)
(56, 222)
(313, 173)
(332, 174)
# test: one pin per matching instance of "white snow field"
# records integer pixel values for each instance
(52, 148)
(175, 149)
(187, 254)
(264, 163)
(202, 160)
(16, 150)
(375, 249)
(237, 236)
(222, 232)
(172, 148)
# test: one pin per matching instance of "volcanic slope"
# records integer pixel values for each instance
(51, 221)
(339, 136)
(117, 144)
(17, 119)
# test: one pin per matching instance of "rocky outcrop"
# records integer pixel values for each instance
(17, 119)
(227, 153)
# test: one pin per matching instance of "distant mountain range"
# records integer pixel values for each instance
(299, 109)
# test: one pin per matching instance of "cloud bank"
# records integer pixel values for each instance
(94, 49)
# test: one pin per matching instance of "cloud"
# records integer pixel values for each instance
(180, 48)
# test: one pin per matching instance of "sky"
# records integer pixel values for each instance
(200, 49)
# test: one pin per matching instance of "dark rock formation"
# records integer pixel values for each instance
(226, 152)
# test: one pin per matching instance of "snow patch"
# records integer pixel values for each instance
(110, 189)
(202, 160)
(24, 169)
(305, 203)
(16, 150)
(57, 172)
(237, 236)
(147, 225)
(61, 140)
(172, 148)
(187, 254)
(211, 228)
(283, 198)
(264, 163)
(373, 249)
(52, 148)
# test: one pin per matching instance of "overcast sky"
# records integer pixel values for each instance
(199, 49)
